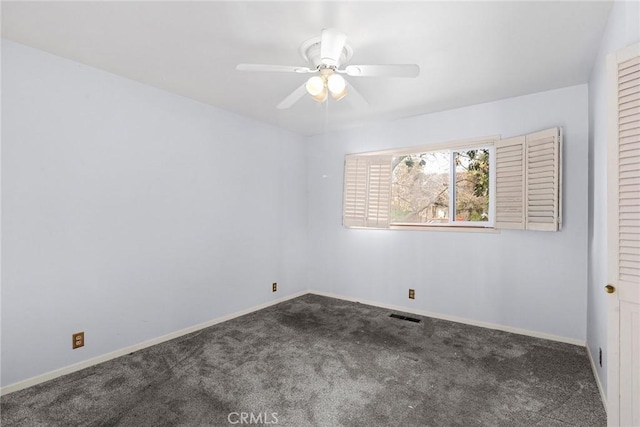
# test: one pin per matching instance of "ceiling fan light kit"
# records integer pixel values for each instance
(319, 86)
(325, 54)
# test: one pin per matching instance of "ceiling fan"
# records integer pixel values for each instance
(326, 54)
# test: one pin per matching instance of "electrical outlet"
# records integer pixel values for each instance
(274, 287)
(77, 340)
(600, 356)
(412, 294)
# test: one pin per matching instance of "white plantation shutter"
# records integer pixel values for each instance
(510, 180)
(628, 134)
(529, 181)
(367, 191)
(379, 202)
(355, 191)
(543, 184)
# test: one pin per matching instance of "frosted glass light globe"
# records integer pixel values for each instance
(336, 83)
(315, 85)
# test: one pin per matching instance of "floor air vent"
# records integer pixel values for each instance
(410, 319)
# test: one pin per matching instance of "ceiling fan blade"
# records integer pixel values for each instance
(276, 68)
(294, 97)
(355, 98)
(395, 70)
(331, 44)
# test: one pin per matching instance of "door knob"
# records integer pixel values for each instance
(609, 289)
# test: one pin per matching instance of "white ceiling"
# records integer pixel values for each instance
(468, 52)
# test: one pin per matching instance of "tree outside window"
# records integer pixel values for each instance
(421, 187)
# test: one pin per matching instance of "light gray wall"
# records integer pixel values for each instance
(522, 279)
(622, 30)
(130, 213)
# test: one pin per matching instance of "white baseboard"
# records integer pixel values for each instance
(457, 319)
(105, 357)
(603, 396)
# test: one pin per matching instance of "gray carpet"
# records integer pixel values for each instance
(316, 361)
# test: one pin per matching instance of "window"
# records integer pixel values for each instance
(513, 183)
(444, 187)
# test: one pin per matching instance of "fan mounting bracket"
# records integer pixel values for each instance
(310, 52)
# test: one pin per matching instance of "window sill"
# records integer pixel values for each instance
(465, 229)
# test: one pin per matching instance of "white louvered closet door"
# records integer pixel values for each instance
(624, 238)
(629, 169)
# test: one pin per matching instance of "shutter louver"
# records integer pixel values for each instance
(510, 182)
(543, 180)
(367, 191)
(628, 134)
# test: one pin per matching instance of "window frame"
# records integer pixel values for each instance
(456, 147)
